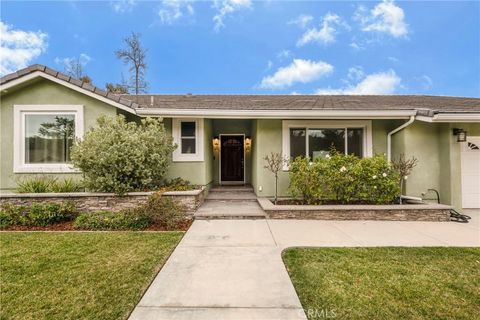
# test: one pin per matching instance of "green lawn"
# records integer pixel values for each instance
(387, 283)
(78, 275)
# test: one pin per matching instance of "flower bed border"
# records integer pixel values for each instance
(95, 201)
(394, 212)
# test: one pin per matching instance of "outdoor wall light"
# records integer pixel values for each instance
(461, 134)
(216, 144)
(248, 143)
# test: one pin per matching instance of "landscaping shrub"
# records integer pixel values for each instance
(42, 214)
(11, 215)
(37, 214)
(120, 156)
(67, 185)
(163, 211)
(344, 179)
(35, 184)
(306, 179)
(128, 219)
(43, 183)
(177, 184)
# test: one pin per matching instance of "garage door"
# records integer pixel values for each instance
(471, 173)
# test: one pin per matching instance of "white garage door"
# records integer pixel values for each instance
(471, 173)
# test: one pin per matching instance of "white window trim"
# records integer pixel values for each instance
(178, 156)
(19, 112)
(366, 125)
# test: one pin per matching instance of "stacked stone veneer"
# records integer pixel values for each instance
(406, 212)
(89, 202)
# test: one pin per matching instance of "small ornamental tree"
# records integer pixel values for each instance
(120, 156)
(405, 167)
(274, 163)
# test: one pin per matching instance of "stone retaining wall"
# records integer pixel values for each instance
(90, 202)
(406, 212)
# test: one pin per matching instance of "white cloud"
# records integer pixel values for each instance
(298, 71)
(325, 34)
(172, 10)
(393, 59)
(283, 54)
(123, 6)
(225, 8)
(385, 17)
(356, 46)
(83, 59)
(374, 84)
(302, 20)
(355, 73)
(18, 48)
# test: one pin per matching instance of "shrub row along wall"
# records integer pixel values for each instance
(91, 202)
(406, 212)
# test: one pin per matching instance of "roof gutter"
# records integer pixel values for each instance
(391, 133)
(452, 117)
(276, 114)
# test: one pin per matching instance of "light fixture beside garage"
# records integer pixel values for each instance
(461, 134)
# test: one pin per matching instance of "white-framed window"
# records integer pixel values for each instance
(43, 135)
(188, 135)
(315, 138)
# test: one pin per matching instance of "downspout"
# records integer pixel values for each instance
(391, 133)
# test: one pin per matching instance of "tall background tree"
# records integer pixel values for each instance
(133, 55)
(74, 68)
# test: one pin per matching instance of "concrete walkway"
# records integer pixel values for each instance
(232, 269)
(223, 269)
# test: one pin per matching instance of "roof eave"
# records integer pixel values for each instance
(95, 92)
(276, 114)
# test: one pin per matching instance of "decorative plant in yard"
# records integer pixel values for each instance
(404, 166)
(274, 164)
(345, 179)
(120, 156)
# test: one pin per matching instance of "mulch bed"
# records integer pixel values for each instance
(68, 226)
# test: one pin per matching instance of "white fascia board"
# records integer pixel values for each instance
(277, 114)
(451, 117)
(89, 93)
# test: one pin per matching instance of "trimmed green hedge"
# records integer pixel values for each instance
(344, 179)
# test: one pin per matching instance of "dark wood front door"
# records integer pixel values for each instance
(231, 158)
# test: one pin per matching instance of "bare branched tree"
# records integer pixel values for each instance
(134, 56)
(74, 68)
(404, 166)
(274, 164)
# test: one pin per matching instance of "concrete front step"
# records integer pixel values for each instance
(232, 189)
(230, 209)
(231, 195)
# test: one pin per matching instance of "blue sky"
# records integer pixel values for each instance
(268, 47)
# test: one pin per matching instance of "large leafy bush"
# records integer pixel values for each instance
(120, 156)
(344, 179)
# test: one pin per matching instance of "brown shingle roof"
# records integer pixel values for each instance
(436, 104)
(86, 86)
(427, 105)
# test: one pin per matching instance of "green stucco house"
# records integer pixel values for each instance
(222, 139)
